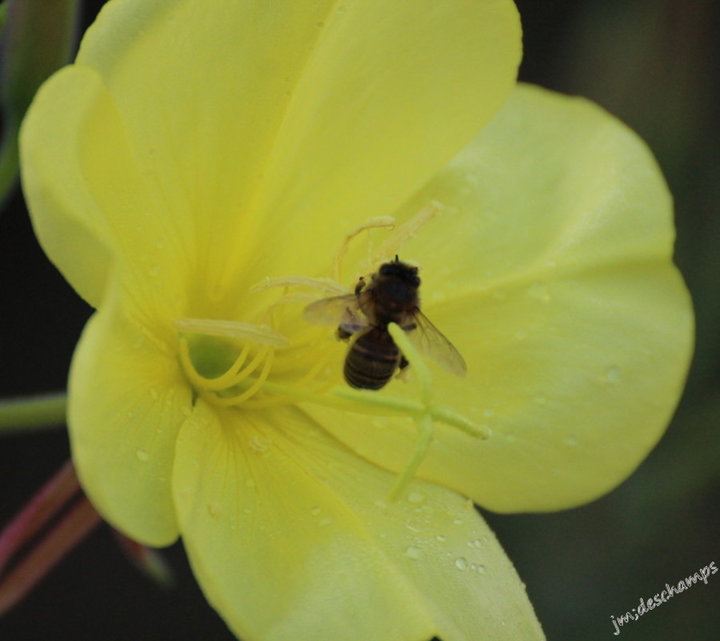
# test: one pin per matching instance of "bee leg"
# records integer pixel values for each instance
(403, 362)
(360, 286)
(342, 334)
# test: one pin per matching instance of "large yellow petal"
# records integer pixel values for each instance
(291, 538)
(67, 219)
(273, 126)
(127, 399)
(551, 271)
(92, 209)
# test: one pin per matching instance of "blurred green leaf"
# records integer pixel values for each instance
(38, 37)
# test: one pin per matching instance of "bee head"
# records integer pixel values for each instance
(403, 272)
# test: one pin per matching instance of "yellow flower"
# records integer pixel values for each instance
(199, 153)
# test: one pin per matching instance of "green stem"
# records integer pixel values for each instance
(45, 410)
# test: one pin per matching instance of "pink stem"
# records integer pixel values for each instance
(69, 531)
(53, 496)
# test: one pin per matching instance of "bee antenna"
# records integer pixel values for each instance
(397, 260)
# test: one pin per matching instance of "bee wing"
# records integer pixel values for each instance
(431, 342)
(337, 310)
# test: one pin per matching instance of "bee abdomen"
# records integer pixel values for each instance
(372, 360)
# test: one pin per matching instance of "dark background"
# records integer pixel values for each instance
(653, 63)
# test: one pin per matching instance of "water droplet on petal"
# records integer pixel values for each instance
(259, 445)
(440, 538)
(461, 563)
(413, 552)
(416, 497)
(613, 374)
(142, 455)
(315, 511)
(481, 568)
(477, 543)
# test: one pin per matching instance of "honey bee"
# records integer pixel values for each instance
(362, 317)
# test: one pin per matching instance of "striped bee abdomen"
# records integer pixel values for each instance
(372, 360)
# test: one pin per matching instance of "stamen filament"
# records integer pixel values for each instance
(377, 222)
(231, 329)
(210, 384)
(250, 391)
(264, 352)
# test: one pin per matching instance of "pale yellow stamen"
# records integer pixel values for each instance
(231, 329)
(392, 244)
(254, 387)
(327, 285)
(378, 222)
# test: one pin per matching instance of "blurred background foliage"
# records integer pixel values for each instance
(656, 65)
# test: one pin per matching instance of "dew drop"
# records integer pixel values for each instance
(440, 538)
(416, 497)
(612, 375)
(457, 521)
(477, 543)
(315, 511)
(259, 445)
(142, 455)
(461, 563)
(413, 552)
(481, 569)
